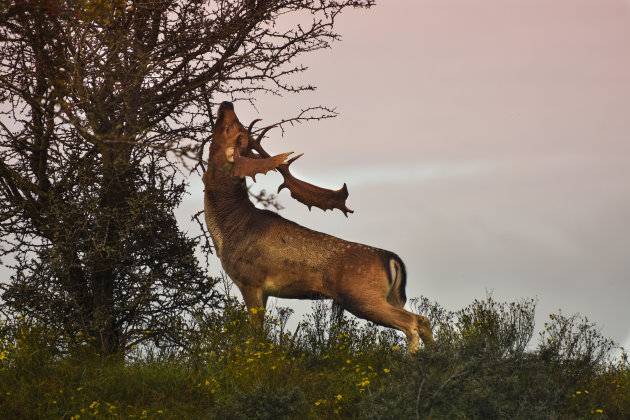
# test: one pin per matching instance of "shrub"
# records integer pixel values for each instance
(482, 367)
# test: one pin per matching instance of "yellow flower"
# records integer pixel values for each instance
(386, 370)
(599, 410)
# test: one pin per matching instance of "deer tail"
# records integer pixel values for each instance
(397, 282)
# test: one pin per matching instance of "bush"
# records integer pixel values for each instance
(482, 367)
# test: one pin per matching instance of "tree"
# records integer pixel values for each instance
(100, 99)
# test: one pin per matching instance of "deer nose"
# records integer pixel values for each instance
(225, 105)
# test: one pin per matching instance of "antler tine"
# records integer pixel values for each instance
(255, 144)
(251, 126)
(261, 135)
(294, 158)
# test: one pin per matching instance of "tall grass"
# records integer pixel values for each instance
(482, 367)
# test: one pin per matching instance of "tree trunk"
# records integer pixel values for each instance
(116, 190)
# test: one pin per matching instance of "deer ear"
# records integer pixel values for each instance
(229, 154)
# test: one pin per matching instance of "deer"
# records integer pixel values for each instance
(266, 255)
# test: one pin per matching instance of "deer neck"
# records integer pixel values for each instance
(226, 205)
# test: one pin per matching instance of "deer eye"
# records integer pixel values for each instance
(227, 130)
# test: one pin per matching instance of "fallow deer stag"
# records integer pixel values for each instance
(267, 255)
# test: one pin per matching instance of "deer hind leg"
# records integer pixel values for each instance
(424, 330)
(255, 300)
(420, 328)
(414, 326)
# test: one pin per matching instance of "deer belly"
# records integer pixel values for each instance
(302, 285)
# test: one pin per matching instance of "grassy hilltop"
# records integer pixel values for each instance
(483, 367)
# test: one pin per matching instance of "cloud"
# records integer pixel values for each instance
(406, 174)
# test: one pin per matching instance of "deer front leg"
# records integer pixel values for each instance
(255, 300)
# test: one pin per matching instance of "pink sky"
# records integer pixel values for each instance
(484, 141)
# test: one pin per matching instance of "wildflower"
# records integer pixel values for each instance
(395, 348)
(386, 370)
(339, 397)
(599, 410)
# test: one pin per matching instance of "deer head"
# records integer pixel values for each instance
(249, 158)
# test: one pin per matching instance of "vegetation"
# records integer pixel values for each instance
(481, 368)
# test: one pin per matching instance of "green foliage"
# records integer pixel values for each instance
(482, 367)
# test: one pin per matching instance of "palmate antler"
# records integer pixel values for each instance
(304, 192)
